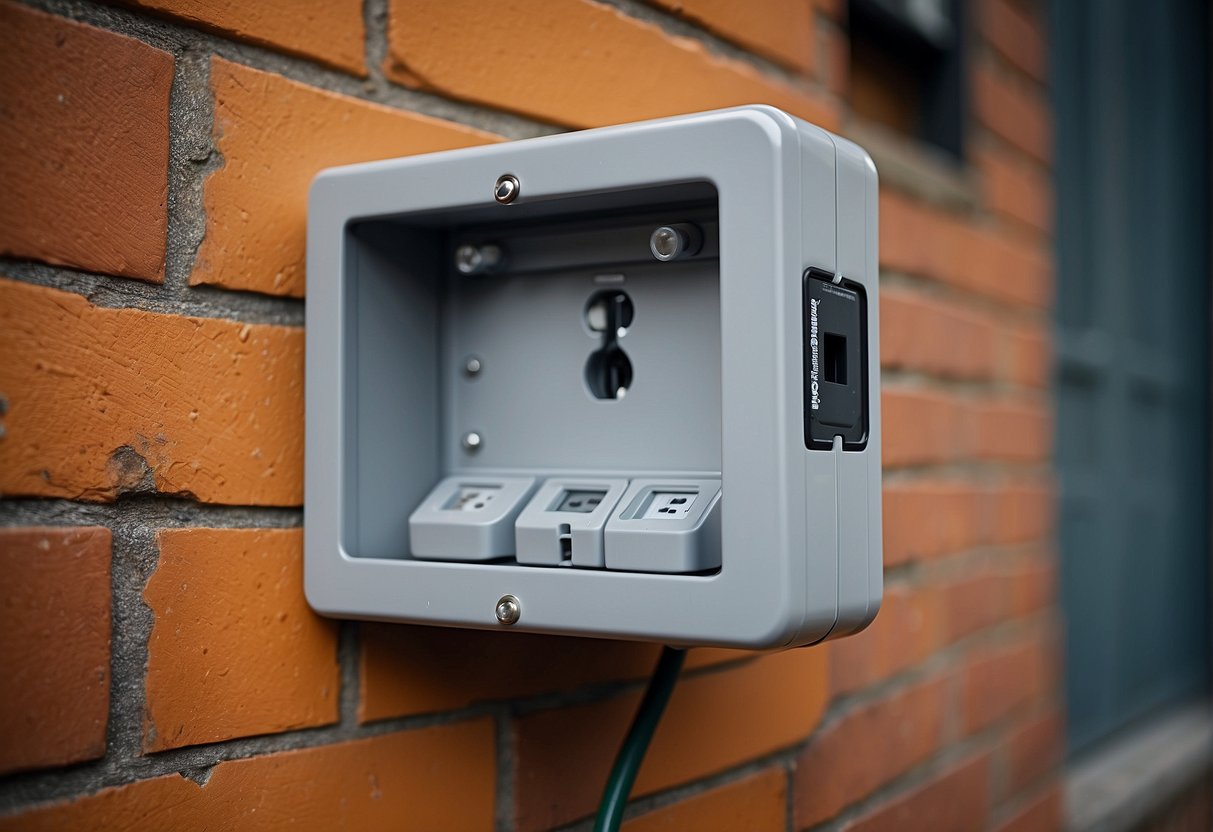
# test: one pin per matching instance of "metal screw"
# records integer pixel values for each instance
(471, 441)
(473, 259)
(472, 366)
(506, 189)
(508, 610)
(669, 242)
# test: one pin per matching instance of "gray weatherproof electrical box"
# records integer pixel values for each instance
(619, 383)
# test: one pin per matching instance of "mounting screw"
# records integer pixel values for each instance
(472, 366)
(508, 609)
(473, 259)
(506, 189)
(670, 242)
(471, 441)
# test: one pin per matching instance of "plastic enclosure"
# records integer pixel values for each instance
(667, 436)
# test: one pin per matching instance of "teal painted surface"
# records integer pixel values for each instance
(1131, 94)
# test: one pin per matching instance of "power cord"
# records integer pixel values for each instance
(636, 743)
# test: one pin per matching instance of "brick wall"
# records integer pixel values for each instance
(162, 668)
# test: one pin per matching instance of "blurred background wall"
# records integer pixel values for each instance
(1042, 656)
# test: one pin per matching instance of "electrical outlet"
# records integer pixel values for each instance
(472, 498)
(580, 502)
(669, 505)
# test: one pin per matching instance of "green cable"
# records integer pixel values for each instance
(627, 764)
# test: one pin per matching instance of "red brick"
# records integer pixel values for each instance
(1016, 188)
(55, 616)
(1033, 751)
(833, 772)
(106, 401)
(85, 138)
(904, 633)
(1019, 512)
(779, 29)
(956, 801)
(1012, 430)
(1016, 34)
(433, 778)
(972, 603)
(1012, 112)
(929, 518)
(579, 63)
(1030, 357)
(275, 135)
(1047, 814)
(919, 239)
(1032, 586)
(235, 650)
(918, 332)
(754, 709)
(999, 681)
(837, 51)
(329, 31)
(757, 803)
(412, 670)
(922, 427)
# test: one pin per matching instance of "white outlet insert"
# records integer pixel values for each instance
(669, 505)
(472, 497)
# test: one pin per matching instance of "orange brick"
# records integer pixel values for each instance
(956, 801)
(919, 239)
(85, 138)
(411, 670)
(972, 603)
(838, 62)
(433, 778)
(329, 31)
(579, 63)
(235, 649)
(1012, 112)
(920, 333)
(55, 616)
(778, 29)
(833, 772)
(1016, 188)
(1047, 814)
(757, 803)
(1032, 751)
(904, 633)
(1032, 586)
(1018, 512)
(275, 135)
(754, 709)
(105, 401)
(923, 428)
(1031, 357)
(998, 681)
(926, 519)
(1012, 430)
(1016, 34)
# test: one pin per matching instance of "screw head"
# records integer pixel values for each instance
(508, 609)
(468, 259)
(472, 366)
(471, 441)
(506, 189)
(667, 243)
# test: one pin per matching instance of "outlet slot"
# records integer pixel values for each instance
(566, 543)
